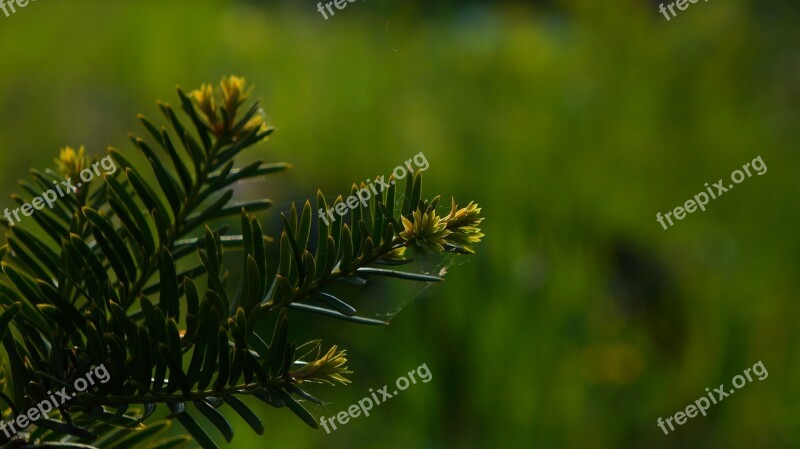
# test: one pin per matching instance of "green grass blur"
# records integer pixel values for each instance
(580, 321)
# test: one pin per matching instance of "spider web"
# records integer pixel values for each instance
(403, 293)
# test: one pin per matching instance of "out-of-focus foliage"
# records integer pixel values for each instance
(572, 125)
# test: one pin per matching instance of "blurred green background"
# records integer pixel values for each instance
(580, 321)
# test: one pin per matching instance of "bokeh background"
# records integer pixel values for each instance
(580, 321)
